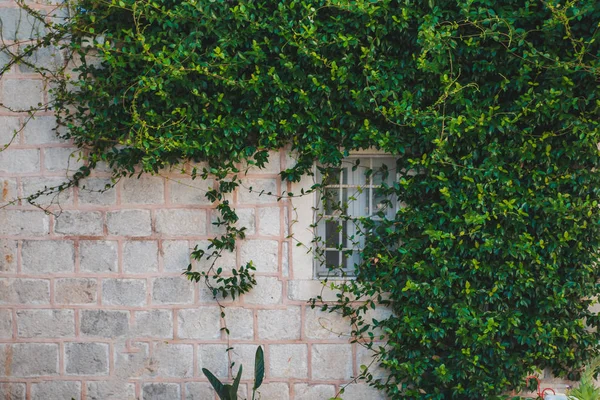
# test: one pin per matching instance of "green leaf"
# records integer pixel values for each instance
(221, 390)
(259, 367)
(236, 383)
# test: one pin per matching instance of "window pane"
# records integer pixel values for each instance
(332, 234)
(354, 236)
(357, 177)
(332, 201)
(366, 202)
(351, 198)
(332, 258)
(383, 170)
(380, 203)
(350, 259)
(332, 177)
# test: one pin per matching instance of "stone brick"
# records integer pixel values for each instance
(240, 322)
(161, 391)
(8, 256)
(24, 291)
(200, 391)
(215, 226)
(98, 256)
(132, 360)
(20, 161)
(129, 223)
(9, 127)
(4, 55)
(279, 324)
(361, 391)
(56, 390)
(214, 358)
(304, 290)
(140, 257)
(48, 256)
(269, 220)
(181, 222)
(274, 390)
(144, 190)
(8, 189)
(16, 222)
(324, 325)
(243, 390)
(45, 323)
(268, 290)
(244, 354)
(368, 358)
(173, 360)
(154, 324)
(86, 358)
(5, 353)
(104, 323)
(189, 191)
(263, 253)
(226, 260)
(102, 166)
(110, 390)
(124, 292)
(34, 359)
(94, 191)
(331, 361)
(6, 325)
(22, 94)
(46, 58)
(172, 290)
(288, 361)
(41, 130)
(256, 191)
(205, 296)
(285, 264)
(273, 166)
(302, 391)
(202, 323)
(17, 24)
(13, 391)
(62, 159)
(247, 219)
(79, 223)
(380, 313)
(176, 255)
(33, 187)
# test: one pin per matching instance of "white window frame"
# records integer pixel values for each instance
(320, 220)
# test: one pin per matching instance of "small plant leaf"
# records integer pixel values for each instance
(236, 383)
(230, 392)
(217, 385)
(259, 367)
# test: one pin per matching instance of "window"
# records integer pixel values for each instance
(350, 193)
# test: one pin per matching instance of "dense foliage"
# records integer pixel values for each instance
(492, 108)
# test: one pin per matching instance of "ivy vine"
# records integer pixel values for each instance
(491, 109)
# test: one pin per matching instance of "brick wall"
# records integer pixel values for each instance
(92, 301)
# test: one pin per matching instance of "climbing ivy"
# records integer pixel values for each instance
(491, 107)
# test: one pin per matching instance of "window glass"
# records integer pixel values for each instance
(351, 192)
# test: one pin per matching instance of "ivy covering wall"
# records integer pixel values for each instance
(492, 108)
